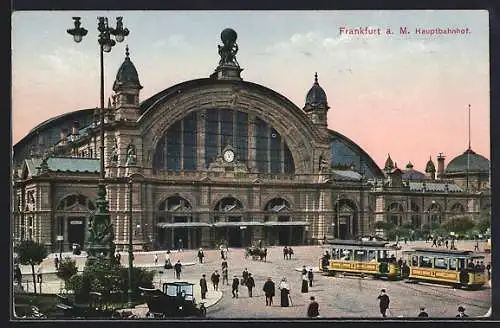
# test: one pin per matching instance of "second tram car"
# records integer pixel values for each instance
(453, 267)
(373, 258)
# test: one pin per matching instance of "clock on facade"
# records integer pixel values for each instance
(229, 156)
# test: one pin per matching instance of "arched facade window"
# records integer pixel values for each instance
(395, 213)
(457, 208)
(435, 214)
(228, 209)
(256, 143)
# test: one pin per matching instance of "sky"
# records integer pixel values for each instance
(406, 95)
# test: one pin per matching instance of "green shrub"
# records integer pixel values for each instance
(67, 269)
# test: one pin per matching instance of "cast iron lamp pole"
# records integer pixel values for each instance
(130, 250)
(99, 247)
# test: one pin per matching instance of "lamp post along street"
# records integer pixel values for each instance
(101, 244)
(130, 250)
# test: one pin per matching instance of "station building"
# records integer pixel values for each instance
(220, 158)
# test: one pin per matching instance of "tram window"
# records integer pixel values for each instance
(359, 255)
(453, 264)
(346, 255)
(425, 262)
(414, 260)
(440, 263)
(372, 256)
(462, 264)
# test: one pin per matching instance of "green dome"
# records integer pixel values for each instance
(477, 163)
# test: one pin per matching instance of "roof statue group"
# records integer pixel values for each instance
(228, 50)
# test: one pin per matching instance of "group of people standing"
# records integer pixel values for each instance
(287, 253)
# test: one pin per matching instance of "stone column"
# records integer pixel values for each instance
(252, 142)
(200, 139)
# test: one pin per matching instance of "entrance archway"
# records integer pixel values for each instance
(71, 215)
(279, 229)
(177, 228)
(228, 215)
(346, 219)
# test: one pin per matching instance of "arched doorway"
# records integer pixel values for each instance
(72, 214)
(177, 228)
(228, 218)
(345, 220)
(279, 228)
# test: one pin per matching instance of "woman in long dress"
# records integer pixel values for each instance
(305, 284)
(285, 290)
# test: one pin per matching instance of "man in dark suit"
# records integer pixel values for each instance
(236, 284)
(250, 284)
(178, 269)
(269, 291)
(384, 302)
(313, 308)
(204, 287)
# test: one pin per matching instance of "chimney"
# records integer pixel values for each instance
(76, 126)
(440, 169)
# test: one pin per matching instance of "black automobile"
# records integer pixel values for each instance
(176, 299)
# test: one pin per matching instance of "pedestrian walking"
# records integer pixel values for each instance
(223, 264)
(168, 263)
(235, 285)
(179, 244)
(384, 302)
(305, 283)
(446, 243)
(285, 291)
(310, 277)
(476, 245)
(178, 269)
(250, 283)
(39, 274)
(434, 242)
(290, 253)
(313, 308)
(156, 259)
(244, 276)
(225, 276)
(201, 255)
(285, 253)
(56, 262)
(461, 313)
(422, 313)
(215, 278)
(203, 287)
(269, 291)
(118, 257)
(488, 270)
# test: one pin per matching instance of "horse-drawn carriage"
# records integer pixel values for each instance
(176, 300)
(256, 253)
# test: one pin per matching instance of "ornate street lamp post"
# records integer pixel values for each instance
(100, 241)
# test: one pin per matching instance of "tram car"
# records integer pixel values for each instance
(451, 267)
(365, 258)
